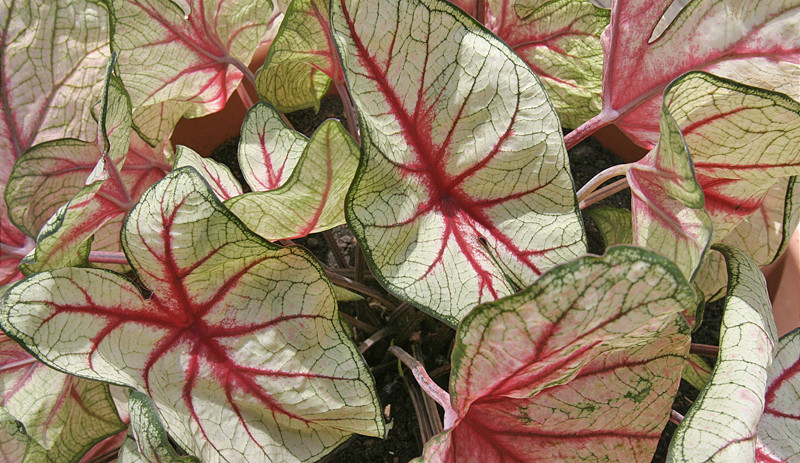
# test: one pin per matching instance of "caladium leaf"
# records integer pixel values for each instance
(615, 225)
(13, 441)
(608, 361)
(721, 424)
(774, 222)
(239, 344)
(50, 174)
(463, 191)
(780, 423)
(302, 60)
(58, 411)
(667, 202)
(560, 40)
(218, 176)
(753, 41)
(152, 443)
(312, 199)
(39, 106)
(198, 58)
(269, 149)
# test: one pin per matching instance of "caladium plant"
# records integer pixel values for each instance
(124, 264)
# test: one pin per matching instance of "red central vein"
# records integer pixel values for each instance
(444, 191)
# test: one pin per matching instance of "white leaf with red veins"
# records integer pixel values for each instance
(218, 176)
(721, 424)
(463, 193)
(581, 366)
(780, 424)
(756, 42)
(239, 344)
(560, 40)
(268, 149)
(61, 413)
(199, 59)
(48, 86)
(312, 198)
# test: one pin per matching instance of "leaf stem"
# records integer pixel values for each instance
(704, 350)
(349, 109)
(427, 384)
(375, 337)
(614, 171)
(330, 240)
(347, 283)
(107, 257)
(21, 251)
(604, 192)
(675, 417)
(589, 127)
(244, 96)
(248, 74)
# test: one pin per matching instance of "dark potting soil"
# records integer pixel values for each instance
(433, 339)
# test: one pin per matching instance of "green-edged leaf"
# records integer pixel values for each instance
(302, 60)
(218, 176)
(742, 140)
(268, 149)
(581, 366)
(615, 224)
(50, 174)
(198, 58)
(61, 413)
(45, 178)
(152, 443)
(463, 188)
(773, 222)
(239, 344)
(98, 207)
(52, 55)
(667, 201)
(752, 41)
(780, 423)
(312, 198)
(721, 424)
(560, 40)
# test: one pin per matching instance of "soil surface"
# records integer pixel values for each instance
(393, 323)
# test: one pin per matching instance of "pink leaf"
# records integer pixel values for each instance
(755, 42)
(571, 369)
(780, 423)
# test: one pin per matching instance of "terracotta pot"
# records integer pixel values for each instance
(204, 134)
(783, 281)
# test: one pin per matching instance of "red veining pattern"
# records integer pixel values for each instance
(465, 218)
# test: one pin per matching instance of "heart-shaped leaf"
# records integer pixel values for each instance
(721, 424)
(197, 57)
(591, 353)
(239, 344)
(463, 193)
(312, 198)
(560, 40)
(667, 202)
(269, 149)
(302, 60)
(780, 423)
(755, 41)
(48, 84)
